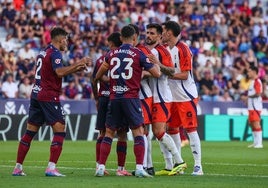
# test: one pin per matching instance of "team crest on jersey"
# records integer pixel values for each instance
(147, 60)
(57, 61)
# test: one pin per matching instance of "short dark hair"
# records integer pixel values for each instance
(157, 26)
(254, 68)
(173, 26)
(115, 38)
(136, 28)
(127, 31)
(57, 31)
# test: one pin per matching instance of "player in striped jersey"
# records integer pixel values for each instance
(184, 92)
(101, 96)
(162, 99)
(125, 65)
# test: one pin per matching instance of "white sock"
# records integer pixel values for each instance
(102, 166)
(167, 157)
(145, 151)
(177, 139)
(19, 166)
(195, 147)
(139, 167)
(258, 137)
(254, 135)
(149, 153)
(170, 145)
(121, 168)
(51, 165)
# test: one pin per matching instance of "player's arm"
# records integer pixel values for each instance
(164, 69)
(155, 71)
(102, 70)
(180, 76)
(76, 67)
(94, 84)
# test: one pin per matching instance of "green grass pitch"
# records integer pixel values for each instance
(225, 164)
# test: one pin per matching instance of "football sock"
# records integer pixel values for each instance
(177, 140)
(145, 151)
(168, 142)
(167, 156)
(254, 135)
(51, 165)
(105, 149)
(139, 149)
(258, 137)
(195, 147)
(56, 146)
(98, 144)
(19, 166)
(24, 145)
(149, 152)
(121, 150)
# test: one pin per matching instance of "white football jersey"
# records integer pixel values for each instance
(255, 87)
(182, 90)
(145, 90)
(159, 86)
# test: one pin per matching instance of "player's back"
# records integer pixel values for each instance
(47, 85)
(126, 64)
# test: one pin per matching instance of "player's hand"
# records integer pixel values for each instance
(153, 59)
(84, 63)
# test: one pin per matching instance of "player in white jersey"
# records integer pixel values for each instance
(162, 99)
(254, 102)
(184, 92)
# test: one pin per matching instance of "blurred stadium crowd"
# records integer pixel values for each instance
(225, 38)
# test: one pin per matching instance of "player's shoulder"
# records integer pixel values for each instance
(182, 45)
(144, 48)
(162, 49)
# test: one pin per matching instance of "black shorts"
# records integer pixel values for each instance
(102, 111)
(49, 113)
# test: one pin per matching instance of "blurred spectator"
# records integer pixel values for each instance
(26, 52)
(257, 8)
(71, 90)
(22, 27)
(259, 43)
(8, 17)
(10, 63)
(26, 67)
(225, 36)
(25, 88)
(9, 88)
(223, 29)
(225, 97)
(36, 9)
(160, 14)
(85, 89)
(220, 82)
(36, 27)
(9, 43)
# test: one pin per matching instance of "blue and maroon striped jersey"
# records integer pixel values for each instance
(103, 90)
(126, 65)
(48, 85)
